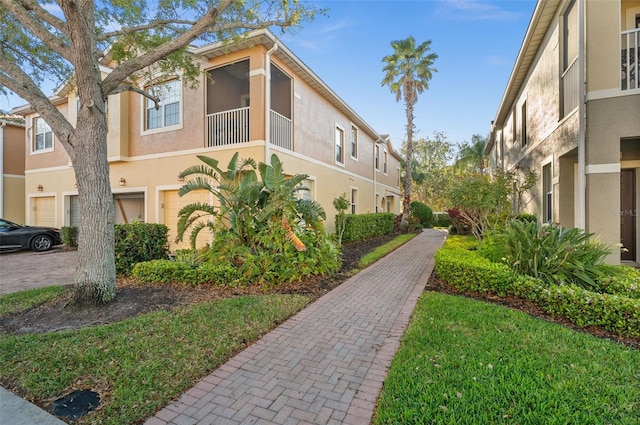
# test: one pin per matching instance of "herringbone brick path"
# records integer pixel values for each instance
(325, 365)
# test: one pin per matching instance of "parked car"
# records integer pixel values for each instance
(15, 236)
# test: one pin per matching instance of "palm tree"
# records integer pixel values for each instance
(471, 156)
(408, 71)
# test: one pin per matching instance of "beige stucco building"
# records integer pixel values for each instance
(12, 205)
(571, 113)
(254, 97)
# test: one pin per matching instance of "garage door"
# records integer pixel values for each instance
(173, 203)
(45, 211)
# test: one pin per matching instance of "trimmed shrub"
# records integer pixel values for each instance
(69, 235)
(441, 219)
(167, 271)
(363, 226)
(422, 212)
(467, 270)
(138, 242)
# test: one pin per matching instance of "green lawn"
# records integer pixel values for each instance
(464, 361)
(139, 365)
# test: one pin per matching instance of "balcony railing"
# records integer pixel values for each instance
(570, 88)
(228, 127)
(280, 131)
(629, 59)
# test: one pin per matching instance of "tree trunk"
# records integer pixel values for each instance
(406, 200)
(95, 278)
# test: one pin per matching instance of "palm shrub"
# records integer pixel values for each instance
(550, 252)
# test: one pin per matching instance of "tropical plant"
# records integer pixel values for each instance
(407, 73)
(549, 252)
(245, 203)
(46, 41)
(236, 190)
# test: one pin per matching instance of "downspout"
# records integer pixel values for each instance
(2, 168)
(267, 104)
(582, 176)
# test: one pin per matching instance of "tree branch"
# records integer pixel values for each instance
(128, 87)
(125, 69)
(16, 80)
(44, 15)
(151, 25)
(23, 16)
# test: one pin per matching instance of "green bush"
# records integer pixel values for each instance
(467, 270)
(547, 251)
(167, 271)
(422, 212)
(138, 242)
(69, 235)
(363, 226)
(441, 219)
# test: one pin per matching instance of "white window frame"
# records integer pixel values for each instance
(385, 162)
(338, 145)
(147, 104)
(35, 133)
(376, 157)
(547, 191)
(354, 200)
(354, 142)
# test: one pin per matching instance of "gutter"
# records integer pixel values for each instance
(582, 177)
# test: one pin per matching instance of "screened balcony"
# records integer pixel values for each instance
(228, 104)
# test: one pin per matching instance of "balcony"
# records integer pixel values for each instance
(228, 127)
(629, 59)
(280, 130)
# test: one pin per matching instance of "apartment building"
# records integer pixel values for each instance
(254, 97)
(12, 169)
(571, 113)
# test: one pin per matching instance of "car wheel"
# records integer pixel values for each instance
(41, 243)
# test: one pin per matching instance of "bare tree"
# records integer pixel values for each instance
(66, 40)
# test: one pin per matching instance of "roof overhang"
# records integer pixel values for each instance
(266, 38)
(538, 26)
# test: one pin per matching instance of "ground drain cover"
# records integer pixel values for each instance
(76, 404)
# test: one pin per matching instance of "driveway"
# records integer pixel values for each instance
(21, 270)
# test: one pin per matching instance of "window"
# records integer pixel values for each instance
(514, 135)
(354, 199)
(523, 118)
(547, 202)
(43, 136)
(168, 113)
(339, 145)
(569, 52)
(354, 142)
(384, 163)
(377, 158)
(306, 193)
(398, 177)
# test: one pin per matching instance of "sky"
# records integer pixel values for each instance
(477, 42)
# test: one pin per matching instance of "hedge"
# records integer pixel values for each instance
(467, 270)
(138, 242)
(167, 271)
(363, 226)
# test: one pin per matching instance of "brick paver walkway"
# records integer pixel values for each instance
(325, 365)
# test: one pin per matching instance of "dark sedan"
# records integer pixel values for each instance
(15, 236)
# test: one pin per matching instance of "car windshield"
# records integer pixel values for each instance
(6, 225)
